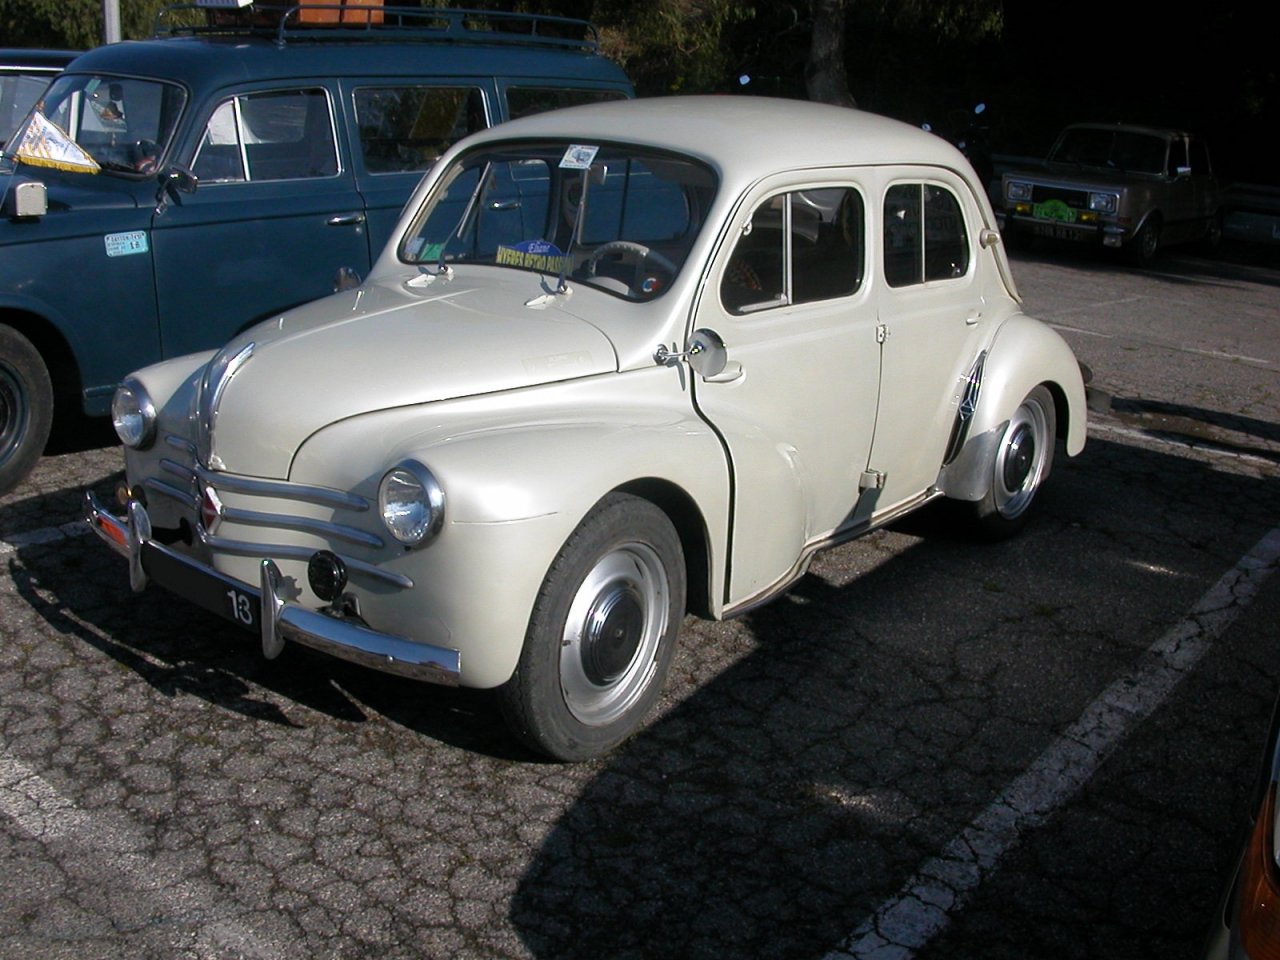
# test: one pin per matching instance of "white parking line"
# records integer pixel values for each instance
(188, 907)
(940, 888)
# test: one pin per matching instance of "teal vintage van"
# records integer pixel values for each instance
(165, 194)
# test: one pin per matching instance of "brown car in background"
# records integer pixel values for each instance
(1134, 188)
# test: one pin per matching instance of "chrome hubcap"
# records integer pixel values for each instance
(611, 636)
(1020, 461)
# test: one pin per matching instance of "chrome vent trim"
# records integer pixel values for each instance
(279, 552)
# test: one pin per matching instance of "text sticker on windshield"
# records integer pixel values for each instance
(578, 157)
(126, 244)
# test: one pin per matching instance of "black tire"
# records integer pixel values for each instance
(1022, 461)
(602, 633)
(26, 407)
(1144, 246)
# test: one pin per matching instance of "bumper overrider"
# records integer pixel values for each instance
(263, 610)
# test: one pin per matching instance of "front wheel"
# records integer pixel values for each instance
(1021, 464)
(26, 407)
(602, 633)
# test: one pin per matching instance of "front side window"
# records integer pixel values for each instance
(924, 235)
(125, 124)
(274, 135)
(408, 128)
(798, 247)
(618, 218)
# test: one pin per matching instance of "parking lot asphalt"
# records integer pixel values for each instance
(931, 747)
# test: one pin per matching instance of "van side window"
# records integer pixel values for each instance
(798, 247)
(408, 128)
(924, 235)
(276, 135)
(526, 101)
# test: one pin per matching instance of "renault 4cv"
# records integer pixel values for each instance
(617, 363)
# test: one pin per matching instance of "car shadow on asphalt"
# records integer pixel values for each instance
(777, 803)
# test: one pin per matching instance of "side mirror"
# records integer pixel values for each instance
(706, 354)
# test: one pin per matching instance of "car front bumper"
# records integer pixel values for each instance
(264, 609)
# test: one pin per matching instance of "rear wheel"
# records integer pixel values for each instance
(602, 633)
(26, 407)
(1021, 464)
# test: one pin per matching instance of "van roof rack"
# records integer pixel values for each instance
(362, 20)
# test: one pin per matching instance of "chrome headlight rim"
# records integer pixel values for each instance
(411, 503)
(1104, 202)
(1018, 190)
(133, 414)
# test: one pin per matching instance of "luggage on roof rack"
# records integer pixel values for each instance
(369, 20)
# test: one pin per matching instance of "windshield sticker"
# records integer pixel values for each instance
(578, 157)
(532, 255)
(126, 244)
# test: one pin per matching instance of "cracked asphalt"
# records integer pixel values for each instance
(166, 793)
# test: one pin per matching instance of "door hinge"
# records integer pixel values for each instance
(882, 333)
(871, 480)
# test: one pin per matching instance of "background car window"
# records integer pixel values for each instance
(278, 135)
(408, 128)
(798, 248)
(924, 235)
(526, 101)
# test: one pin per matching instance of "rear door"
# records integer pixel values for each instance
(275, 218)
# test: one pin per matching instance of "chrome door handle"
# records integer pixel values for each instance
(346, 220)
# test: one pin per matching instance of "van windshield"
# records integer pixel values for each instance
(123, 123)
(619, 218)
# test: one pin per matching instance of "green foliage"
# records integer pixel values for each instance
(71, 24)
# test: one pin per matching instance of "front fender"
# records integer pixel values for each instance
(515, 488)
(1024, 354)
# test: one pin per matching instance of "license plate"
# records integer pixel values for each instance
(1057, 232)
(204, 587)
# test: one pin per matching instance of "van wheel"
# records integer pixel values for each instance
(1146, 242)
(602, 633)
(26, 407)
(1019, 468)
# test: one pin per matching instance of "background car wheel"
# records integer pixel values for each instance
(602, 633)
(26, 407)
(1146, 242)
(1020, 466)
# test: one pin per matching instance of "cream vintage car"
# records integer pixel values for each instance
(617, 363)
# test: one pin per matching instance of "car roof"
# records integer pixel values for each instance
(1165, 132)
(43, 59)
(744, 137)
(211, 62)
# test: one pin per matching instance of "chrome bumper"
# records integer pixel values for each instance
(263, 609)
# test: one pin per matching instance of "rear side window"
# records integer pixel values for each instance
(924, 235)
(526, 101)
(276, 135)
(407, 128)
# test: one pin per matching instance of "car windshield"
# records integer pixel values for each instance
(19, 89)
(619, 218)
(1126, 150)
(124, 123)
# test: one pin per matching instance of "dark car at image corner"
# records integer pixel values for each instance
(1134, 188)
(24, 75)
(173, 191)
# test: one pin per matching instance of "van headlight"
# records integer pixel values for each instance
(133, 415)
(412, 503)
(1018, 190)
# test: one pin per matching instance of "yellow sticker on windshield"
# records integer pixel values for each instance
(532, 255)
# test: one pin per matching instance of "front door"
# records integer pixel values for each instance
(796, 407)
(275, 217)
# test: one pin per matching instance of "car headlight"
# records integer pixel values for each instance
(1104, 202)
(133, 415)
(412, 503)
(1017, 190)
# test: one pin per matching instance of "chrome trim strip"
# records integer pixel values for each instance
(240, 548)
(168, 490)
(283, 489)
(322, 528)
(826, 543)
